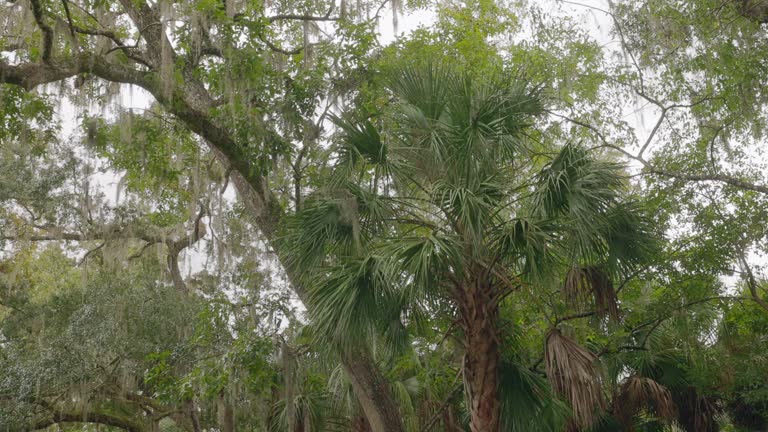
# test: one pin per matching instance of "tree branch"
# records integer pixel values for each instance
(31, 75)
(752, 283)
(37, 12)
(276, 48)
(88, 417)
(295, 17)
(651, 169)
(130, 51)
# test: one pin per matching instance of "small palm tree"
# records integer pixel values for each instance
(451, 209)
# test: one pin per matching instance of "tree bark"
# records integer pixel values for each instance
(479, 315)
(372, 391)
(450, 421)
(226, 414)
(124, 423)
(191, 410)
(360, 424)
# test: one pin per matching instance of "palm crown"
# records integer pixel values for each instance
(452, 202)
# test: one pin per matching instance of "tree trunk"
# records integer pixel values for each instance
(369, 385)
(226, 414)
(360, 424)
(190, 411)
(479, 316)
(450, 420)
(372, 392)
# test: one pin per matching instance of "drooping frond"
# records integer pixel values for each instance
(639, 393)
(425, 260)
(666, 367)
(373, 209)
(583, 285)
(527, 403)
(360, 142)
(351, 299)
(697, 412)
(598, 227)
(528, 243)
(324, 223)
(630, 236)
(574, 374)
(576, 185)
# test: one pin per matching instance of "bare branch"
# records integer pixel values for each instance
(90, 252)
(65, 3)
(655, 129)
(298, 17)
(752, 283)
(287, 17)
(651, 169)
(276, 48)
(130, 51)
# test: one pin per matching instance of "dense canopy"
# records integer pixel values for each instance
(383, 215)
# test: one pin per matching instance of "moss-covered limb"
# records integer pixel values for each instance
(84, 416)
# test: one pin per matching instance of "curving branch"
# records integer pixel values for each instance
(37, 12)
(752, 283)
(176, 246)
(82, 416)
(299, 17)
(294, 17)
(652, 169)
(31, 75)
(130, 51)
(277, 49)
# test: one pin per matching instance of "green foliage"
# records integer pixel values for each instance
(488, 146)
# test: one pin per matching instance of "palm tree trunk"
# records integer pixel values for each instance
(360, 424)
(481, 357)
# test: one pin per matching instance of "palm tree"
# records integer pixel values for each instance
(451, 209)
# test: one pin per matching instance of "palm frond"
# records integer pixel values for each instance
(489, 115)
(425, 87)
(583, 285)
(527, 403)
(424, 260)
(697, 412)
(640, 393)
(453, 125)
(528, 244)
(630, 236)
(577, 185)
(360, 140)
(353, 297)
(470, 209)
(574, 374)
(324, 223)
(373, 209)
